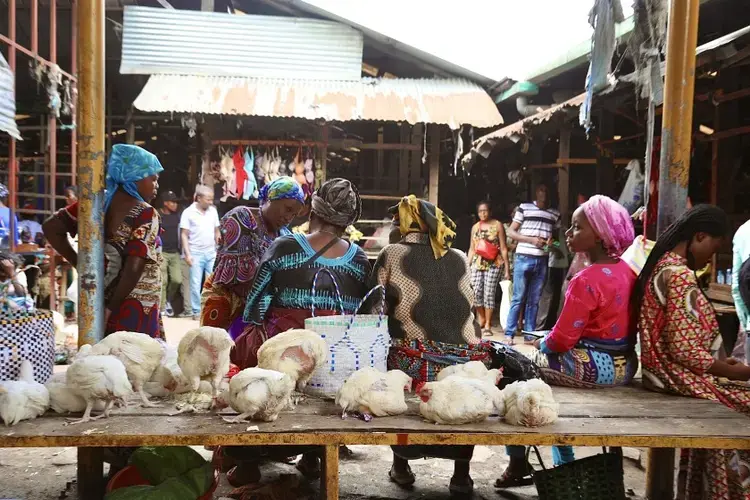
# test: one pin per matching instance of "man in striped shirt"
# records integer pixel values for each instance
(534, 227)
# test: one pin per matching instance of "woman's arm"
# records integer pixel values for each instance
(731, 369)
(503, 249)
(132, 269)
(531, 240)
(57, 235)
(574, 318)
(470, 255)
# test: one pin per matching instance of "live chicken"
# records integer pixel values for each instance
(22, 399)
(530, 403)
(473, 369)
(258, 394)
(294, 352)
(371, 392)
(459, 400)
(140, 354)
(98, 378)
(204, 352)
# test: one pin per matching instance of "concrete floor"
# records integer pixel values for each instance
(49, 473)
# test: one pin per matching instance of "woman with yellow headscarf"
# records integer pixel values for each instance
(429, 303)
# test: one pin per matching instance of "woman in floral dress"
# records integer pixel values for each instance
(681, 342)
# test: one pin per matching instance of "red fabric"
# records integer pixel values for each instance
(69, 218)
(597, 307)
(239, 171)
(245, 351)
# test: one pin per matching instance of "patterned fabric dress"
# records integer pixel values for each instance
(590, 345)
(245, 239)
(281, 296)
(679, 338)
(137, 235)
(485, 274)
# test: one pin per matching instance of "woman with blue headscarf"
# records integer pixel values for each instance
(132, 251)
(245, 236)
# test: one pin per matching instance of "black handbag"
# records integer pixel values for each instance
(516, 367)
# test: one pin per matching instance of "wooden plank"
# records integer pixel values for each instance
(434, 162)
(379, 167)
(417, 134)
(403, 160)
(720, 293)
(660, 473)
(329, 479)
(323, 152)
(605, 167)
(90, 473)
(592, 161)
(714, 197)
(563, 176)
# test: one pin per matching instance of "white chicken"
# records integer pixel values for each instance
(167, 378)
(22, 399)
(64, 399)
(98, 378)
(371, 392)
(140, 354)
(530, 403)
(258, 394)
(473, 369)
(204, 352)
(459, 400)
(294, 352)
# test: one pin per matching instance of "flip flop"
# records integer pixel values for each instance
(508, 481)
(405, 480)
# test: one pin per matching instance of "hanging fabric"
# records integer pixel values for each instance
(239, 172)
(250, 190)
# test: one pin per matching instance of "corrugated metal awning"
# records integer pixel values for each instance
(173, 41)
(8, 100)
(449, 102)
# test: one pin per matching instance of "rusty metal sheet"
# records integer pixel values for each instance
(451, 102)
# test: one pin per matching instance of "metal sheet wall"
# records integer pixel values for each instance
(169, 41)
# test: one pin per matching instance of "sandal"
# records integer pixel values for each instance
(405, 479)
(509, 480)
(461, 490)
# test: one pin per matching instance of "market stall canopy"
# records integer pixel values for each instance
(451, 102)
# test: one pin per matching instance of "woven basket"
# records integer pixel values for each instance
(599, 477)
(28, 336)
(354, 341)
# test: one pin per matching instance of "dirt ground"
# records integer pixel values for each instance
(49, 473)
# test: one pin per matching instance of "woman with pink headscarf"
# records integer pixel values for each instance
(593, 342)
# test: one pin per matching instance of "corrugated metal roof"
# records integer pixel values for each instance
(8, 99)
(450, 102)
(170, 41)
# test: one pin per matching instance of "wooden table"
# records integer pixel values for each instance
(605, 417)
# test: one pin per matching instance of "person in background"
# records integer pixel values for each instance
(681, 347)
(592, 344)
(245, 237)
(487, 256)
(5, 219)
(533, 228)
(132, 244)
(71, 195)
(428, 299)
(199, 234)
(740, 253)
(550, 304)
(171, 267)
(30, 226)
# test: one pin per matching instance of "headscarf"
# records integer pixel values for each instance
(127, 165)
(3, 191)
(611, 221)
(283, 188)
(337, 202)
(420, 216)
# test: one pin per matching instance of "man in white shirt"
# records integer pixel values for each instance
(199, 233)
(740, 253)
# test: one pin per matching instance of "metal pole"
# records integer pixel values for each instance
(51, 119)
(677, 121)
(12, 166)
(90, 172)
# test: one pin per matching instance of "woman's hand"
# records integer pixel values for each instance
(7, 270)
(107, 314)
(506, 275)
(538, 343)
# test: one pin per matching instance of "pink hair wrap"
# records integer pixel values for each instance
(611, 221)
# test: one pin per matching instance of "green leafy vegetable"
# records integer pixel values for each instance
(200, 479)
(157, 464)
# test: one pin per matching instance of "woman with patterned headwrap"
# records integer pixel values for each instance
(132, 251)
(281, 298)
(429, 302)
(245, 237)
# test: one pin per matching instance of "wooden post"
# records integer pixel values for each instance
(660, 473)
(715, 181)
(90, 473)
(563, 175)
(379, 167)
(605, 169)
(90, 130)
(403, 163)
(417, 132)
(329, 480)
(677, 119)
(323, 151)
(434, 162)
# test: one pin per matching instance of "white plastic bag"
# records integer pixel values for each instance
(632, 194)
(505, 302)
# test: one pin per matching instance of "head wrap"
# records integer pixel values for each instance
(283, 188)
(611, 221)
(127, 165)
(337, 202)
(3, 191)
(419, 216)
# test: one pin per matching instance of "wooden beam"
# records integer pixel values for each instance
(660, 473)
(591, 161)
(403, 163)
(605, 171)
(714, 196)
(379, 157)
(329, 480)
(417, 132)
(434, 162)
(563, 175)
(323, 152)
(732, 132)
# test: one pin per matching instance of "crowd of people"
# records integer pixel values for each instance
(258, 282)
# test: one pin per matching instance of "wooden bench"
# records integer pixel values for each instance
(605, 417)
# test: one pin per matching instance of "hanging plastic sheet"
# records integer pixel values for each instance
(8, 100)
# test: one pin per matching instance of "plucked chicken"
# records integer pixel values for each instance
(472, 369)
(22, 399)
(459, 400)
(530, 403)
(371, 392)
(204, 352)
(98, 378)
(140, 354)
(294, 352)
(258, 394)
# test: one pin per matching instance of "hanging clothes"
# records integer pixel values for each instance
(239, 172)
(250, 189)
(228, 176)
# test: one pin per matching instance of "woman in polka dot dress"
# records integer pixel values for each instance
(593, 342)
